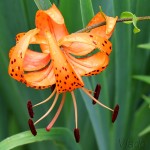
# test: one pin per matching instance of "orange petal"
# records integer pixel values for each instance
(11, 51)
(91, 65)
(85, 40)
(66, 77)
(51, 20)
(16, 62)
(105, 30)
(19, 36)
(110, 25)
(41, 79)
(35, 60)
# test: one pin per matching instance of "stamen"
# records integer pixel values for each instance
(47, 99)
(53, 87)
(32, 127)
(30, 110)
(97, 92)
(75, 109)
(50, 109)
(115, 113)
(57, 113)
(77, 135)
(86, 91)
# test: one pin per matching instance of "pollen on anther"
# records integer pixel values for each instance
(30, 110)
(115, 113)
(77, 135)
(97, 92)
(32, 127)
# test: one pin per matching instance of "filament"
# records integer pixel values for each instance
(52, 106)
(47, 99)
(57, 113)
(75, 109)
(94, 99)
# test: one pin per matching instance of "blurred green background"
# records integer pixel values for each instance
(118, 85)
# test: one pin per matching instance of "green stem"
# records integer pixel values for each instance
(119, 20)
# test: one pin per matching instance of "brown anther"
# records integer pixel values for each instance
(97, 92)
(30, 110)
(77, 135)
(53, 87)
(32, 127)
(115, 113)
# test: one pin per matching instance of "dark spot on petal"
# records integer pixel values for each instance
(105, 42)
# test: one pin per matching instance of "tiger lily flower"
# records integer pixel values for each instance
(61, 63)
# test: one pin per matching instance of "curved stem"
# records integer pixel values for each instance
(119, 20)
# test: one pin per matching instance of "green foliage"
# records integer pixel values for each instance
(134, 20)
(43, 4)
(144, 46)
(118, 85)
(56, 135)
(145, 131)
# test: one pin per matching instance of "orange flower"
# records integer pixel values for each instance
(62, 62)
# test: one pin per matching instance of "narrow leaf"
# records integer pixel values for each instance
(59, 135)
(142, 78)
(43, 4)
(145, 46)
(147, 99)
(145, 131)
(86, 11)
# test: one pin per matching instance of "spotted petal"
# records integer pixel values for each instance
(91, 65)
(105, 30)
(67, 79)
(87, 42)
(16, 69)
(51, 20)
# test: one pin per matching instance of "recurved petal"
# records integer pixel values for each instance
(105, 30)
(51, 20)
(91, 65)
(41, 79)
(110, 25)
(66, 77)
(84, 43)
(16, 61)
(19, 36)
(35, 60)
(11, 51)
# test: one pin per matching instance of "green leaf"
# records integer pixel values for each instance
(142, 78)
(59, 135)
(146, 98)
(86, 8)
(145, 46)
(136, 29)
(127, 14)
(134, 20)
(43, 4)
(145, 131)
